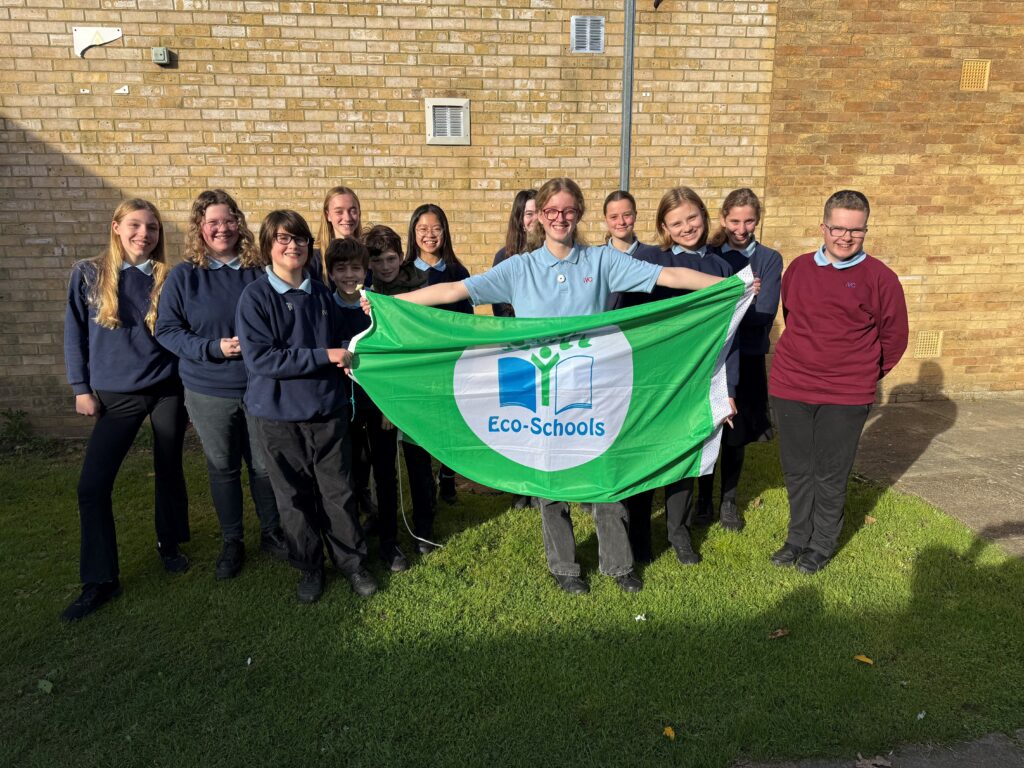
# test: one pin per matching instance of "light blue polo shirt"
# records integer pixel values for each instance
(538, 284)
(700, 253)
(235, 263)
(748, 251)
(823, 261)
(282, 287)
(145, 267)
(422, 266)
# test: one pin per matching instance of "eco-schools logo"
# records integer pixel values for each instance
(549, 403)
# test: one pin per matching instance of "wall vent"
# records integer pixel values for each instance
(586, 34)
(928, 344)
(447, 121)
(974, 75)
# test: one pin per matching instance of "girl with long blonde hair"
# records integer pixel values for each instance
(120, 375)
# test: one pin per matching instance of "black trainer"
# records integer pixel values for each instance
(311, 586)
(629, 582)
(229, 564)
(93, 597)
(274, 544)
(426, 547)
(574, 585)
(394, 559)
(175, 561)
(362, 583)
(787, 555)
(731, 517)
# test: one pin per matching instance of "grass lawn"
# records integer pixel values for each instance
(474, 658)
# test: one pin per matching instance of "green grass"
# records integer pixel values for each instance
(474, 658)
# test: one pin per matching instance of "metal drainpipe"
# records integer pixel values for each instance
(625, 143)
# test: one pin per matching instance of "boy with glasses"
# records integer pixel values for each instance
(846, 328)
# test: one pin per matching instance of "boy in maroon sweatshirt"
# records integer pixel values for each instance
(846, 327)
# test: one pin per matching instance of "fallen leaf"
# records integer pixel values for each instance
(757, 502)
(640, 617)
(776, 634)
(669, 733)
(45, 686)
(863, 659)
(869, 520)
(872, 762)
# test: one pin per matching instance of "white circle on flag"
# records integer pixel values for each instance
(551, 403)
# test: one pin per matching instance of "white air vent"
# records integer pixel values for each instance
(587, 34)
(447, 121)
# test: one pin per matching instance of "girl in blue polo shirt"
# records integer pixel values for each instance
(120, 375)
(562, 277)
(197, 323)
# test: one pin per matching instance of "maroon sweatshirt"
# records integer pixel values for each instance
(845, 329)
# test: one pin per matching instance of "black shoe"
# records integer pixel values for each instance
(574, 585)
(426, 547)
(787, 555)
(522, 502)
(629, 582)
(731, 517)
(93, 597)
(229, 564)
(173, 558)
(274, 544)
(703, 513)
(394, 559)
(812, 561)
(311, 586)
(362, 583)
(446, 488)
(685, 555)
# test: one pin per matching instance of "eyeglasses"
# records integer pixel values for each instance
(283, 238)
(569, 214)
(231, 223)
(435, 231)
(856, 234)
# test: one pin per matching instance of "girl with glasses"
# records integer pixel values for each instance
(197, 323)
(120, 375)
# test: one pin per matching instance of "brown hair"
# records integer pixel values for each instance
(535, 237)
(380, 239)
(671, 200)
(292, 223)
(195, 246)
(346, 251)
(515, 235)
(738, 198)
(326, 234)
(848, 199)
(103, 292)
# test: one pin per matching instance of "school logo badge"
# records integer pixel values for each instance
(548, 403)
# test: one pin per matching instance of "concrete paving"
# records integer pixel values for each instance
(967, 459)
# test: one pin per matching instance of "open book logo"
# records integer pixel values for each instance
(549, 403)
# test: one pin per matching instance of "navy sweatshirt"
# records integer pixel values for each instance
(354, 321)
(752, 337)
(284, 339)
(453, 273)
(197, 310)
(125, 359)
(710, 264)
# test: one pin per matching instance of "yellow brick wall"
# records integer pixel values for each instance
(277, 101)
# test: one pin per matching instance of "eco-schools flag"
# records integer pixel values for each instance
(593, 408)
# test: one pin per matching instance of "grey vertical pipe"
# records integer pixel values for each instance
(626, 142)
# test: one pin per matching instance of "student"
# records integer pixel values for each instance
(846, 328)
(291, 345)
(736, 242)
(392, 277)
(548, 282)
(620, 220)
(347, 262)
(682, 225)
(520, 220)
(341, 218)
(120, 375)
(197, 323)
(429, 248)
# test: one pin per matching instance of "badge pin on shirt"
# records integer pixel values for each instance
(289, 305)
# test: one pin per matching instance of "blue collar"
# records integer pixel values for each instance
(282, 287)
(748, 251)
(145, 267)
(344, 304)
(235, 263)
(552, 260)
(422, 266)
(822, 260)
(700, 252)
(631, 250)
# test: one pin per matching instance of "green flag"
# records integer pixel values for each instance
(593, 408)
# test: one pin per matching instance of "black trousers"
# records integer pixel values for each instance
(381, 451)
(817, 446)
(307, 460)
(121, 417)
(678, 512)
(422, 487)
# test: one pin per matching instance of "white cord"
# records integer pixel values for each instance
(401, 501)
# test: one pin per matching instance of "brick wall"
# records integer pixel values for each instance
(277, 101)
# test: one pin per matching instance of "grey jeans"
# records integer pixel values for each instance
(615, 557)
